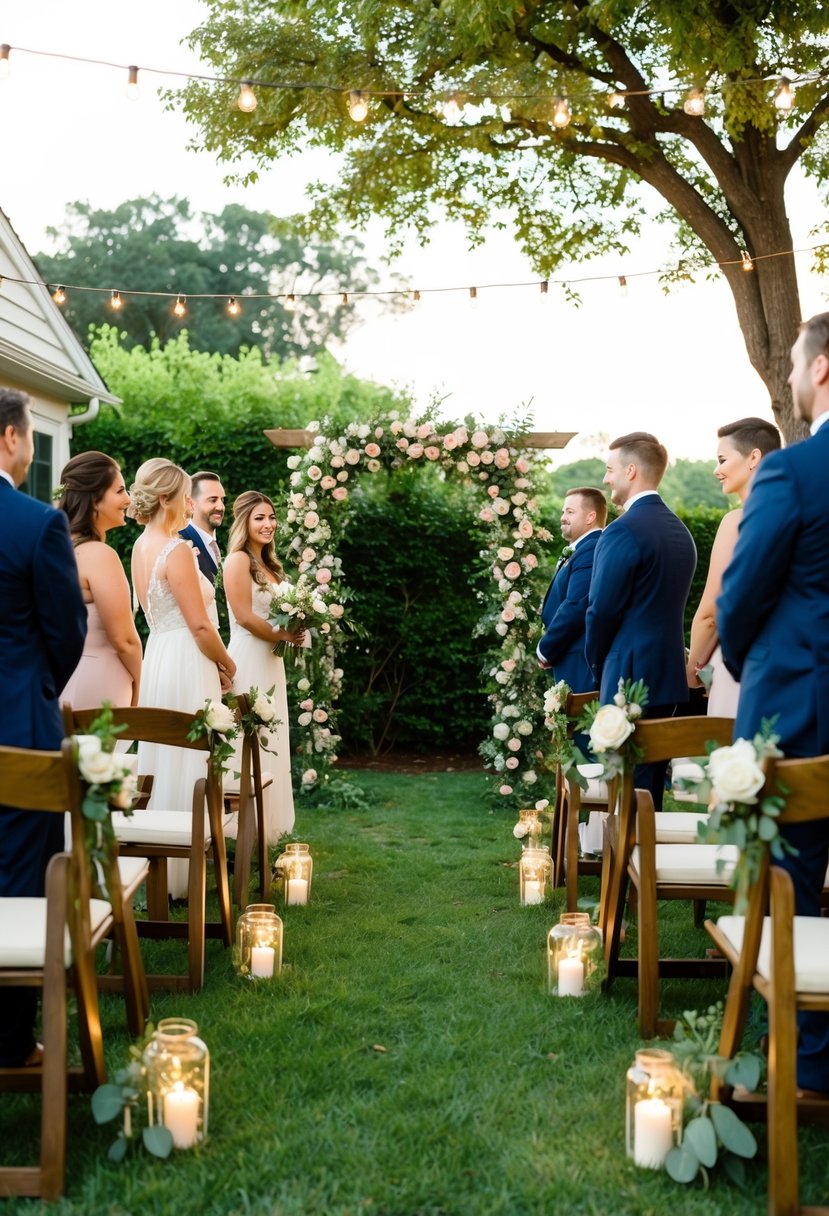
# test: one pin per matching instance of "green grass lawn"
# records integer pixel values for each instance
(409, 1061)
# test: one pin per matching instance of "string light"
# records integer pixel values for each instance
(5, 66)
(233, 308)
(358, 105)
(416, 297)
(746, 261)
(115, 301)
(616, 101)
(59, 295)
(473, 294)
(623, 284)
(544, 287)
(246, 101)
(561, 113)
(453, 109)
(290, 302)
(180, 306)
(344, 298)
(132, 91)
(694, 103)
(784, 100)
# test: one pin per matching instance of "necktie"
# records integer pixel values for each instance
(214, 549)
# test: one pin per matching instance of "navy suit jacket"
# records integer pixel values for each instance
(563, 613)
(642, 573)
(207, 565)
(42, 619)
(773, 611)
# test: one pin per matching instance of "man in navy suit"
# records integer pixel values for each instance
(642, 573)
(773, 622)
(561, 649)
(42, 631)
(207, 499)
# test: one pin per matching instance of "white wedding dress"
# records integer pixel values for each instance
(175, 675)
(258, 667)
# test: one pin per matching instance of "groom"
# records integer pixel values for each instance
(42, 631)
(207, 500)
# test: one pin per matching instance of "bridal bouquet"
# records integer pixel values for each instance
(217, 722)
(297, 607)
(109, 780)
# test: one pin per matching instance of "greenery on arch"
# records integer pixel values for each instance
(506, 474)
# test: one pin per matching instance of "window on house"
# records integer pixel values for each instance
(38, 481)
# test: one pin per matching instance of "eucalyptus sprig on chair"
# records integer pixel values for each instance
(109, 781)
(125, 1095)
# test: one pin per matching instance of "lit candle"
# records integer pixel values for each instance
(181, 1115)
(533, 892)
(297, 891)
(262, 962)
(570, 977)
(652, 1133)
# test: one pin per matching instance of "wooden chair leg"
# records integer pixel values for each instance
(196, 915)
(699, 913)
(614, 900)
(648, 938)
(53, 1119)
(784, 1181)
(244, 848)
(559, 827)
(158, 907)
(572, 850)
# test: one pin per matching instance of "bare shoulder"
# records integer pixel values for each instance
(95, 556)
(729, 525)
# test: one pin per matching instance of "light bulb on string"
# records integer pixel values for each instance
(59, 295)
(623, 284)
(416, 297)
(616, 100)
(233, 308)
(180, 306)
(344, 298)
(357, 105)
(5, 66)
(452, 109)
(784, 99)
(694, 103)
(473, 294)
(132, 90)
(561, 113)
(115, 301)
(746, 262)
(544, 288)
(246, 101)
(290, 302)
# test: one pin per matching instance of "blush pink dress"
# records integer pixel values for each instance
(100, 675)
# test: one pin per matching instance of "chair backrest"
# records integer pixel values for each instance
(669, 738)
(805, 787)
(145, 725)
(576, 703)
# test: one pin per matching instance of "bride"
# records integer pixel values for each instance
(252, 576)
(185, 662)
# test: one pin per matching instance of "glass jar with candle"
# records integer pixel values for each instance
(177, 1074)
(575, 958)
(655, 1090)
(535, 872)
(257, 951)
(535, 827)
(295, 867)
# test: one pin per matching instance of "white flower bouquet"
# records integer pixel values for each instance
(109, 778)
(261, 716)
(298, 607)
(217, 721)
(610, 729)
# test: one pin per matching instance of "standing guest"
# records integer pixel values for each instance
(253, 575)
(186, 662)
(42, 630)
(642, 573)
(207, 503)
(94, 500)
(773, 620)
(742, 446)
(561, 649)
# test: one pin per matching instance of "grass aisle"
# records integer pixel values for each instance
(409, 1062)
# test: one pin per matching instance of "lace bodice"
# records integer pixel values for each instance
(261, 597)
(163, 613)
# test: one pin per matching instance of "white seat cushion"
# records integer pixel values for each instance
(596, 788)
(133, 871)
(23, 931)
(230, 788)
(811, 949)
(686, 770)
(156, 827)
(678, 827)
(692, 863)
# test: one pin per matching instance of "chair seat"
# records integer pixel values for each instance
(23, 931)
(678, 827)
(686, 770)
(156, 827)
(231, 789)
(811, 949)
(596, 788)
(133, 871)
(692, 863)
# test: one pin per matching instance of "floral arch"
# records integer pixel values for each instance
(504, 471)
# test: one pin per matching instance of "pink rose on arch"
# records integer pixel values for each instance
(308, 554)
(415, 450)
(373, 466)
(336, 610)
(506, 790)
(508, 664)
(320, 715)
(512, 569)
(492, 491)
(508, 614)
(450, 442)
(501, 506)
(530, 561)
(479, 439)
(409, 429)
(403, 443)
(323, 575)
(512, 762)
(372, 449)
(521, 465)
(314, 473)
(312, 519)
(514, 745)
(306, 704)
(525, 528)
(497, 572)
(340, 494)
(378, 432)
(396, 427)
(486, 515)
(473, 459)
(328, 482)
(502, 459)
(487, 457)
(432, 453)
(424, 430)
(352, 456)
(342, 475)
(337, 462)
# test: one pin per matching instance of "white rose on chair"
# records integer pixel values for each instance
(264, 707)
(610, 728)
(219, 717)
(734, 772)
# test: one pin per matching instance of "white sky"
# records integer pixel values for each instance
(673, 365)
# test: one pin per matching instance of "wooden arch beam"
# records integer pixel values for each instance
(283, 437)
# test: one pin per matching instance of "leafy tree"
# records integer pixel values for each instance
(573, 190)
(145, 245)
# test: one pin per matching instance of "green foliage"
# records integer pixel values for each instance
(412, 555)
(702, 523)
(144, 246)
(687, 483)
(125, 1096)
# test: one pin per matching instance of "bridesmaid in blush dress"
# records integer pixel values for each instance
(742, 446)
(95, 499)
(252, 576)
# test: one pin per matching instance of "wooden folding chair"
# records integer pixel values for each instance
(785, 958)
(249, 803)
(49, 943)
(177, 832)
(678, 867)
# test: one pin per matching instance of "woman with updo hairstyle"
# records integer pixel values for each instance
(253, 577)
(94, 499)
(186, 662)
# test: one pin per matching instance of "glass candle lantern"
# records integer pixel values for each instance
(177, 1074)
(535, 871)
(575, 957)
(295, 867)
(257, 953)
(655, 1091)
(535, 827)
